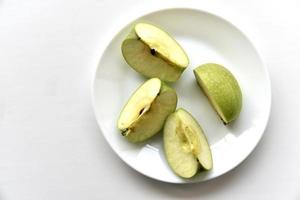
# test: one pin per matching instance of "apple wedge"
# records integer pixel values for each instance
(146, 111)
(186, 147)
(222, 90)
(154, 53)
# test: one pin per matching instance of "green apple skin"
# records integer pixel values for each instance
(185, 144)
(149, 62)
(152, 121)
(222, 90)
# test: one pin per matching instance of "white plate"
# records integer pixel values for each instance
(206, 38)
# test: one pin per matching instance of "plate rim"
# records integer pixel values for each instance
(139, 11)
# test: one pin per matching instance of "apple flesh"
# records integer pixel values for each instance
(154, 53)
(222, 90)
(146, 111)
(186, 147)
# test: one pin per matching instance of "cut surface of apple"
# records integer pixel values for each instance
(154, 53)
(146, 111)
(222, 90)
(186, 147)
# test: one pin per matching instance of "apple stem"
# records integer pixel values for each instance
(153, 52)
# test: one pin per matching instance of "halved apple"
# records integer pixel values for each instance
(185, 144)
(154, 53)
(146, 111)
(222, 90)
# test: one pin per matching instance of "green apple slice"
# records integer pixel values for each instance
(146, 111)
(222, 90)
(154, 53)
(185, 144)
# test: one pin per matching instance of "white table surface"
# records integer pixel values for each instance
(50, 144)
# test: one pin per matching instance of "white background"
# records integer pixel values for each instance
(50, 144)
